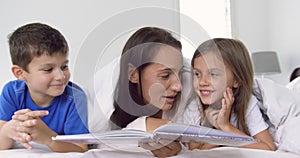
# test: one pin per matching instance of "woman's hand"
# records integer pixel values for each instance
(163, 148)
(202, 146)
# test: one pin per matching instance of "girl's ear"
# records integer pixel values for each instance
(133, 74)
(235, 84)
(18, 72)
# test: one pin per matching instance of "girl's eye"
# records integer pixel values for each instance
(213, 74)
(197, 74)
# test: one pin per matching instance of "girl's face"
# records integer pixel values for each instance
(212, 77)
(160, 80)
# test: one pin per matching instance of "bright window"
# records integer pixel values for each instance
(212, 15)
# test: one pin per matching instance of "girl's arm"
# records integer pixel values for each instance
(264, 137)
(265, 141)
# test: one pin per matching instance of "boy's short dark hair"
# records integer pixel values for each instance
(34, 40)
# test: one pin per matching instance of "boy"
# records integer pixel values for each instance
(42, 103)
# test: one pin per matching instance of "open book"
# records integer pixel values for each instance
(172, 131)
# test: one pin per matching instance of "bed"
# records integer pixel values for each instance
(43, 152)
(280, 104)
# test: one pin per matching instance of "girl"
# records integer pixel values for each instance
(223, 80)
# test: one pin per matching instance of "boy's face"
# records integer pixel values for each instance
(211, 78)
(47, 77)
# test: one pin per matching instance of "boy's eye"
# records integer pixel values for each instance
(48, 69)
(65, 67)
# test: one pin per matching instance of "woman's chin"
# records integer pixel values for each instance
(166, 107)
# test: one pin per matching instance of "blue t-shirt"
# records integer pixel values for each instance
(67, 112)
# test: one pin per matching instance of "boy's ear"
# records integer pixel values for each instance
(133, 74)
(18, 72)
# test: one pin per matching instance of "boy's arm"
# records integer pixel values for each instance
(8, 135)
(5, 141)
(58, 146)
(42, 134)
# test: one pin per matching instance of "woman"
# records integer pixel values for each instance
(148, 88)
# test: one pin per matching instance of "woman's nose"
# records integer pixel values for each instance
(177, 85)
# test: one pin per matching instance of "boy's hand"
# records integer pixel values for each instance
(9, 129)
(41, 133)
(27, 114)
(27, 119)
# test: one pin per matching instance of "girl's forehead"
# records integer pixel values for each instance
(210, 59)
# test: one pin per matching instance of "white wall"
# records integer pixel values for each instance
(261, 24)
(77, 20)
(284, 25)
(270, 25)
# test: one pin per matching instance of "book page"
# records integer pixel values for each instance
(186, 133)
(110, 137)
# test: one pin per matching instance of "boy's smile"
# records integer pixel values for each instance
(47, 77)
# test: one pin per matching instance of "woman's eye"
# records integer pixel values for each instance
(165, 76)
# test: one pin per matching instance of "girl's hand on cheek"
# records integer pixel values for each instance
(211, 115)
(224, 115)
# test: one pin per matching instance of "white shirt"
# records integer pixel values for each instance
(254, 119)
(294, 85)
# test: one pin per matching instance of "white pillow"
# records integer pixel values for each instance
(294, 85)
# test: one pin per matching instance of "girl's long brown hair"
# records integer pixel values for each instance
(236, 56)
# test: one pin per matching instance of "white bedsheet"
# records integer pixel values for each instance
(282, 106)
(223, 152)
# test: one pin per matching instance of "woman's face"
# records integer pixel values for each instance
(211, 78)
(160, 80)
